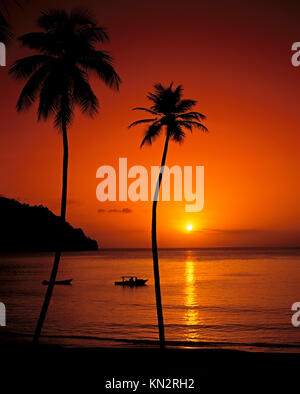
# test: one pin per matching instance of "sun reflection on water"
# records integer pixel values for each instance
(191, 315)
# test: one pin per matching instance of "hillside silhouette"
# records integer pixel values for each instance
(26, 228)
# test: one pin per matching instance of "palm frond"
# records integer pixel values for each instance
(52, 19)
(43, 42)
(153, 97)
(137, 122)
(31, 89)
(82, 16)
(145, 109)
(23, 68)
(55, 85)
(151, 133)
(178, 93)
(176, 132)
(159, 88)
(189, 124)
(185, 105)
(83, 94)
(94, 34)
(101, 63)
(185, 124)
(191, 116)
(85, 25)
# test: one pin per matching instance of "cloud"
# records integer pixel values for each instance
(241, 231)
(124, 210)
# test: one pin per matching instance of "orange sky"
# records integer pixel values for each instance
(234, 59)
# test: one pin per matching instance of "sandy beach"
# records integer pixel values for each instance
(92, 369)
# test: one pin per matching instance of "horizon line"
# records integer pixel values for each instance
(203, 247)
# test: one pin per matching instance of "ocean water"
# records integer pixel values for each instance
(226, 298)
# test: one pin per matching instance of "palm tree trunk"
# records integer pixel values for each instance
(159, 310)
(60, 236)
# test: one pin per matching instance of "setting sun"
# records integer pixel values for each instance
(189, 227)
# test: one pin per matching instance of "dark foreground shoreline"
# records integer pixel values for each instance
(89, 370)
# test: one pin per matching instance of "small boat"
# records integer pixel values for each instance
(59, 282)
(131, 281)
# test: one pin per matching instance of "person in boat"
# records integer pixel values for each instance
(131, 281)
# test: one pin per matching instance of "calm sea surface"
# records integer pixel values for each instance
(238, 298)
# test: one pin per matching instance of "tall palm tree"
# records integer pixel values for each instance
(172, 113)
(57, 76)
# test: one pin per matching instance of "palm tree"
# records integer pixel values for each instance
(172, 113)
(57, 76)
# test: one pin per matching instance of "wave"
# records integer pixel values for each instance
(150, 342)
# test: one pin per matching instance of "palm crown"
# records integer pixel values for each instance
(171, 112)
(59, 73)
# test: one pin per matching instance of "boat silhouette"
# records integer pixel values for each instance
(131, 281)
(59, 282)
